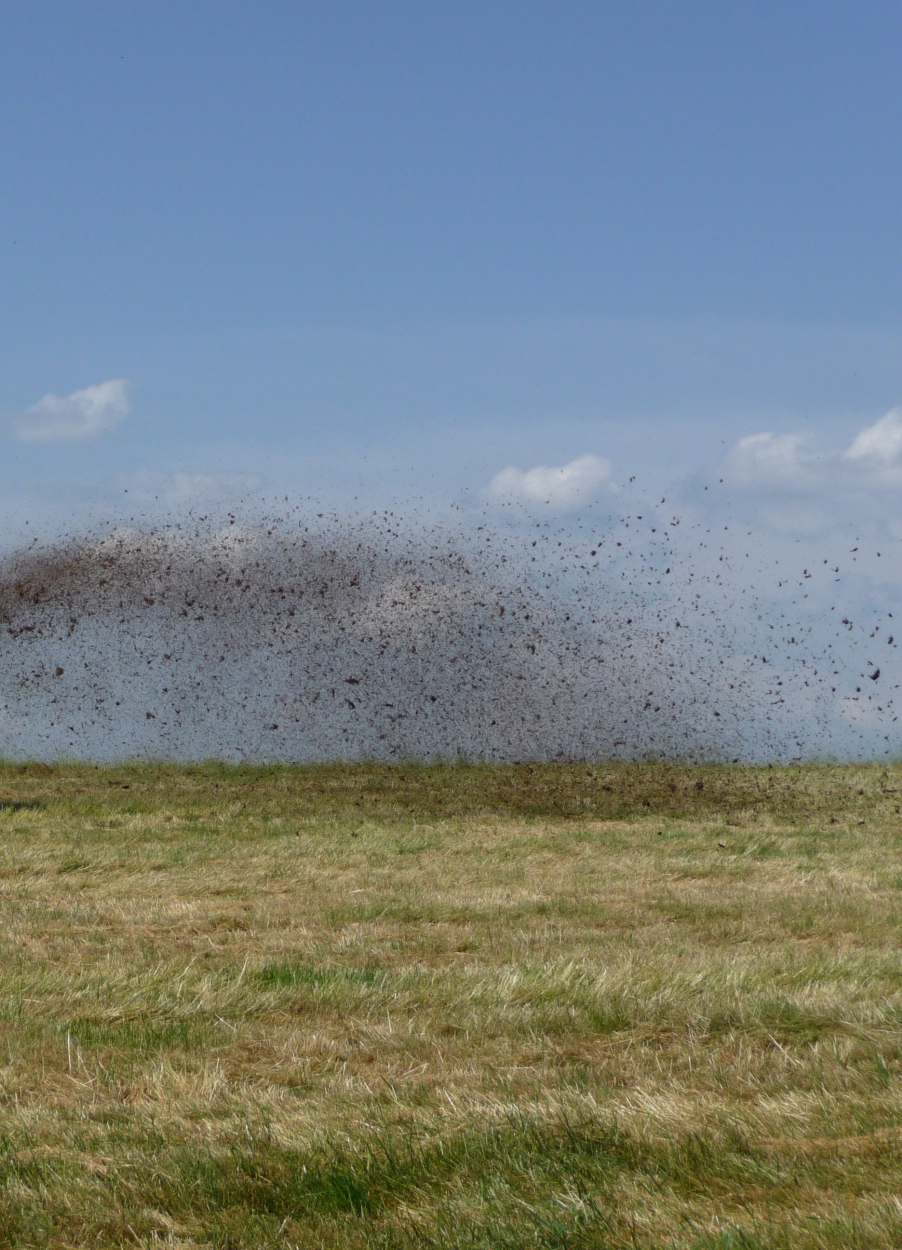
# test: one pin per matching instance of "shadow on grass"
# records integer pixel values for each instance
(21, 805)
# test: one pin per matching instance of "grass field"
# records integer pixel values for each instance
(627, 1006)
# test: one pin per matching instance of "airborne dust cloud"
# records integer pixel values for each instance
(305, 636)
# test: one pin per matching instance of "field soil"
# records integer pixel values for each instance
(562, 1007)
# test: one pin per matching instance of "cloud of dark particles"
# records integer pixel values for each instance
(304, 637)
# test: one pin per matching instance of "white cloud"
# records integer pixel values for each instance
(879, 445)
(563, 487)
(771, 460)
(81, 415)
(791, 465)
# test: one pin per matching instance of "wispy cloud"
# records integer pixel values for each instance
(768, 459)
(879, 446)
(562, 487)
(182, 488)
(794, 464)
(76, 417)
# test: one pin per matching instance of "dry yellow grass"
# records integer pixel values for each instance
(632, 1006)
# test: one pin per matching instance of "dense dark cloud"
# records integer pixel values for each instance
(300, 636)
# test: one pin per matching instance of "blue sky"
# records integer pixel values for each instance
(358, 251)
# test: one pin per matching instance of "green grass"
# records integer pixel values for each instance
(558, 1007)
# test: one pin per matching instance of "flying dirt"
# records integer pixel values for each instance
(302, 636)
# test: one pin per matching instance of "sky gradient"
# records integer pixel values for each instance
(378, 253)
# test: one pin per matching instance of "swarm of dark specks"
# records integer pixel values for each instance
(299, 638)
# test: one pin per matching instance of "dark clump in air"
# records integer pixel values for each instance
(299, 638)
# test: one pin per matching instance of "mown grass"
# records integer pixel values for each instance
(541, 1006)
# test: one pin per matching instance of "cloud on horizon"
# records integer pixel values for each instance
(185, 488)
(563, 487)
(879, 446)
(792, 463)
(76, 417)
(774, 460)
